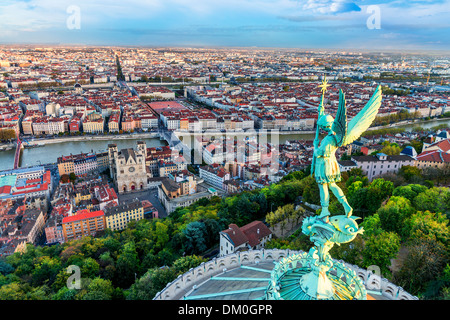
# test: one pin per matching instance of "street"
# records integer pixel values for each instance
(150, 195)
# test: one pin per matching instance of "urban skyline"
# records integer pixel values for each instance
(175, 150)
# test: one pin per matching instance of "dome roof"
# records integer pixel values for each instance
(246, 275)
(409, 151)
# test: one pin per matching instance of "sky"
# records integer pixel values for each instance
(309, 24)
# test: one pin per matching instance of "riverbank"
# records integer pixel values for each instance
(51, 149)
(409, 124)
(413, 123)
(133, 136)
(248, 132)
(155, 134)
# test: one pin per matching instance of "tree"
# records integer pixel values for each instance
(356, 172)
(65, 294)
(127, 265)
(7, 134)
(350, 252)
(184, 264)
(378, 191)
(391, 150)
(212, 231)
(366, 201)
(161, 235)
(408, 172)
(90, 268)
(99, 289)
(409, 191)
(394, 178)
(65, 178)
(439, 289)
(380, 249)
(417, 145)
(270, 219)
(152, 282)
(352, 188)
(372, 225)
(358, 201)
(394, 213)
(5, 268)
(436, 199)
(425, 262)
(165, 257)
(195, 233)
(311, 192)
(45, 271)
(12, 291)
(428, 225)
(296, 175)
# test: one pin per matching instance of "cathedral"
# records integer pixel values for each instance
(127, 167)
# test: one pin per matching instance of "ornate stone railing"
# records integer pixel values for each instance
(188, 281)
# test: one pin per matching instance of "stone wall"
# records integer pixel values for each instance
(188, 281)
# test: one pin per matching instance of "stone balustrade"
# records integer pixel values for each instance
(193, 278)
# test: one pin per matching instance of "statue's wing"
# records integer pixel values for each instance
(340, 121)
(362, 121)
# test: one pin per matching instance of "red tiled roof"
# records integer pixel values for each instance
(434, 156)
(83, 216)
(444, 145)
(5, 189)
(236, 235)
(251, 233)
(255, 231)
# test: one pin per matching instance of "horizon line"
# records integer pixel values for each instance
(54, 44)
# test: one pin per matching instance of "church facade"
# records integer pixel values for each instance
(127, 167)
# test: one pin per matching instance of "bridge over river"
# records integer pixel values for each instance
(19, 147)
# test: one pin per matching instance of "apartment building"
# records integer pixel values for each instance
(83, 223)
(53, 229)
(379, 164)
(33, 221)
(25, 183)
(215, 175)
(79, 164)
(181, 189)
(94, 123)
(48, 125)
(118, 217)
(213, 152)
(113, 122)
(149, 122)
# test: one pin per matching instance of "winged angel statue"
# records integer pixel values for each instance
(340, 133)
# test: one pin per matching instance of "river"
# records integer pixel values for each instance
(50, 152)
(285, 136)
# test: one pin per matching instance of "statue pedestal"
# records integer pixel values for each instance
(317, 285)
(299, 277)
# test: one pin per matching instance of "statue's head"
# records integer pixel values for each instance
(325, 122)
